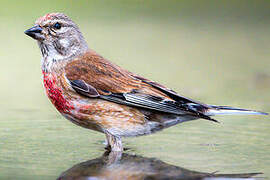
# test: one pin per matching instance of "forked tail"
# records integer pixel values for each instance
(226, 110)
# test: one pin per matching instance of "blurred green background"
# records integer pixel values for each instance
(213, 51)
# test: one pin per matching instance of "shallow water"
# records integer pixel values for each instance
(218, 59)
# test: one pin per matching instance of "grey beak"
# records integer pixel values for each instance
(34, 32)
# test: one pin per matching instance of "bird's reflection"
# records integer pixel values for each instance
(113, 165)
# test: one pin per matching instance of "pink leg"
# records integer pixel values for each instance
(114, 142)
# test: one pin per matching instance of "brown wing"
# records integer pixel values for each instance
(101, 74)
(107, 77)
(93, 76)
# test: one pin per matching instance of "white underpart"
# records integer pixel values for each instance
(137, 130)
(50, 57)
(53, 55)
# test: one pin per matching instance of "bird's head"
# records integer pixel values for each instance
(58, 36)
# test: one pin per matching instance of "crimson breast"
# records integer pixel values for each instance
(55, 93)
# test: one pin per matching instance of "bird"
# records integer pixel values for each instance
(96, 94)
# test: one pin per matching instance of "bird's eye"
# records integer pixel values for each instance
(57, 25)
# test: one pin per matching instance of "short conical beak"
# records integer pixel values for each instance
(35, 32)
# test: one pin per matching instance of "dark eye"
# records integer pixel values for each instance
(57, 25)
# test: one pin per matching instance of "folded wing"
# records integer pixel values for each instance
(95, 77)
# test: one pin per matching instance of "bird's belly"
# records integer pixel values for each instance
(101, 115)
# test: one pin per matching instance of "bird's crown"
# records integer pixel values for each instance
(50, 17)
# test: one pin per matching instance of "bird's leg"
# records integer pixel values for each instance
(114, 157)
(107, 145)
(114, 142)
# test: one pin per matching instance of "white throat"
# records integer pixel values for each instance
(59, 52)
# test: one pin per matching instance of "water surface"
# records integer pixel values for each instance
(215, 54)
